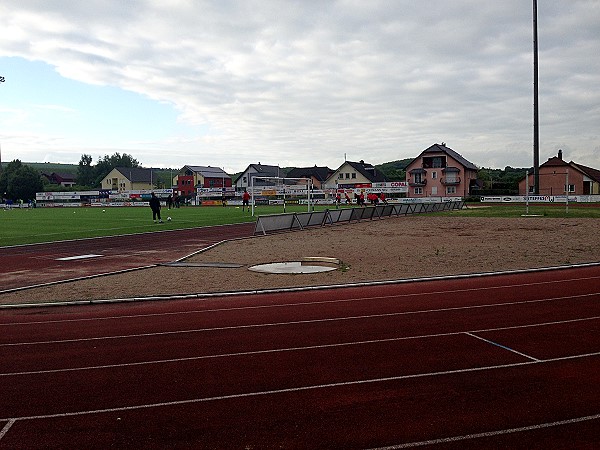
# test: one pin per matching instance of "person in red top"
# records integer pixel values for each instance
(245, 200)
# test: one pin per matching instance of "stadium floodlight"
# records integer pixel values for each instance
(307, 182)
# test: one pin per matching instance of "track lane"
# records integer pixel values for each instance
(365, 415)
(409, 390)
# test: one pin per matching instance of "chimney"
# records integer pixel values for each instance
(560, 154)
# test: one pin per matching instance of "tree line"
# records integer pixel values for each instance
(19, 181)
(91, 176)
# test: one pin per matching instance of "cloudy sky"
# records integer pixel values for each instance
(298, 82)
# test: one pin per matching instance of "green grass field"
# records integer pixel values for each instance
(27, 226)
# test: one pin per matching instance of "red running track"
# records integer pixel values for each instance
(34, 264)
(509, 361)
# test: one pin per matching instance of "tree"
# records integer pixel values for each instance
(394, 170)
(85, 171)
(108, 163)
(19, 181)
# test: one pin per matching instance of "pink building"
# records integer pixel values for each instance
(582, 180)
(440, 172)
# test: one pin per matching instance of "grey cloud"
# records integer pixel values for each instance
(305, 81)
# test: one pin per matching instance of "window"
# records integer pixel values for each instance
(571, 188)
(434, 162)
(451, 190)
(347, 176)
(418, 177)
(340, 176)
(434, 175)
(353, 174)
(418, 191)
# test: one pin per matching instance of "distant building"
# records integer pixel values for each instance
(355, 175)
(583, 180)
(129, 179)
(439, 171)
(244, 180)
(191, 177)
(64, 179)
(318, 174)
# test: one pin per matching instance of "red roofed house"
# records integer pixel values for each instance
(64, 179)
(583, 180)
(440, 172)
(191, 177)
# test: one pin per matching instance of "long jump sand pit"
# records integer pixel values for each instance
(389, 249)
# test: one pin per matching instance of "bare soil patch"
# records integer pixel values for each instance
(390, 249)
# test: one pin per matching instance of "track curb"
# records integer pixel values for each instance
(210, 295)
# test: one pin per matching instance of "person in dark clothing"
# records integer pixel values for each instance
(155, 206)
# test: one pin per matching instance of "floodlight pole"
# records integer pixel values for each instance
(536, 125)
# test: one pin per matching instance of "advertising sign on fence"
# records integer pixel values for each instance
(541, 199)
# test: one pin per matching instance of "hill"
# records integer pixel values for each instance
(394, 170)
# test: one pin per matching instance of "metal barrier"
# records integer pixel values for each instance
(299, 221)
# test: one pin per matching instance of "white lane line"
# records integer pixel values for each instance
(276, 324)
(73, 258)
(302, 388)
(290, 349)
(502, 346)
(7, 427)
(324, 302)
(485, 434)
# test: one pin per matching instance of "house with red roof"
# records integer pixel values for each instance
(190, 178)
(557, 177)
(439, 171)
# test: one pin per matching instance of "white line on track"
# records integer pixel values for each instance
(502, 346)
(308, 347)
(297, 322)
(7, 427)
(320, 302)
(467, 437)
(303, 388)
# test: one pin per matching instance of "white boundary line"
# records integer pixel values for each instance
(294, 322)
(301, 388)
(323, 302)
(502, 346)
(7, 427)
(490, 433)
(311, 347)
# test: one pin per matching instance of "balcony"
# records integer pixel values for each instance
(419, 183)
(450, 181)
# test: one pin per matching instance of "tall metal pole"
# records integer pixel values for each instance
(536, 125)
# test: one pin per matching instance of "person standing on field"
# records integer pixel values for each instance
(245, 200)
(155, 207)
